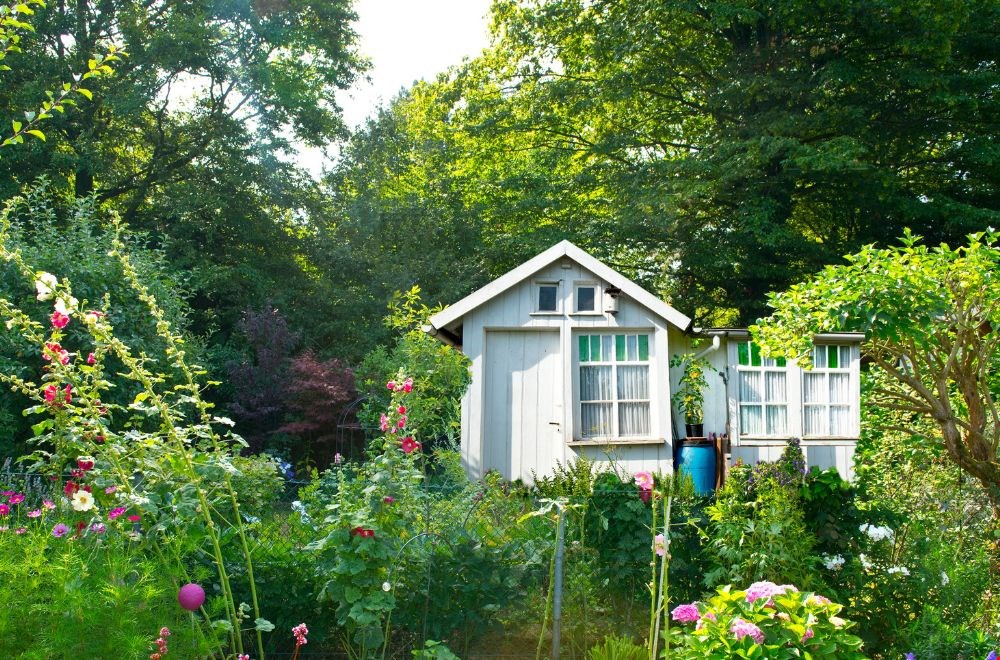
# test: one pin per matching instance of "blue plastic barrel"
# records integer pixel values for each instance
(699, 462)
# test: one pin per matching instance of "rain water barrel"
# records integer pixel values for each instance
(699, 462)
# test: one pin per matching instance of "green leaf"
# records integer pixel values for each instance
(263, 625)
(86, 93)
(37, 133)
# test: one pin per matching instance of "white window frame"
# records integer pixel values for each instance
(767, 365)
(598, 299)
(536, 291)
(852, 371)
(615, 402)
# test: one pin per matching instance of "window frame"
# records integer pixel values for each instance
(615, 401)
(598, 300)
(853, 378)
(765, 366)
(536, 289)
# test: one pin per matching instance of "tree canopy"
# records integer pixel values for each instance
(931, 317)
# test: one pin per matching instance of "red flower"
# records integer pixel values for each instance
(85, 464)
(70, 488)
(50, 394)
(91, 359)
(410, 445)
(134, 518)
(401, 410)
(363, 532)
(69, 396)
(59, 320)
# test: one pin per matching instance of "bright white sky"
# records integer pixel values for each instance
(406, 41)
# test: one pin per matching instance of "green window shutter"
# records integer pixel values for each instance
(595, 349)
(644, 347)
(620, 348)
(584, 344)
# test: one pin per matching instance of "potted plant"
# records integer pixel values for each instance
(690, 395)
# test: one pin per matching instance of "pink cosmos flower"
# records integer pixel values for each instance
(410, 445)
(35, 514)
(48, 504)
(644, 480)
(59, 320)
(21, 530)
(116, 512)
(741, 629)
(408, 385)
(110, 489)
(4, 509)
(60, 530)
(686, 613)
(98, 528)
(17, 498)
(660, 545)
(91, 359)
(7, 493)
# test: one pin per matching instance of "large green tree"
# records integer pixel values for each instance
(746, 143)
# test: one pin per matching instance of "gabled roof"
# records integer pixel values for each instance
(446, 318)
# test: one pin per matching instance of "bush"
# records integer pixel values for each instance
(765, 621)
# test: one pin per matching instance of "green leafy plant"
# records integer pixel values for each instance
(616, 647)
(690, 394)
(764, 621)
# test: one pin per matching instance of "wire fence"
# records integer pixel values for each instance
(474, 569)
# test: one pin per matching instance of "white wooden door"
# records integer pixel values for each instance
(523, 411)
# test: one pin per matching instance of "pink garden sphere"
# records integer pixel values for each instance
(191, 596)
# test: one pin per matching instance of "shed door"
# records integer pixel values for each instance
(523, 416)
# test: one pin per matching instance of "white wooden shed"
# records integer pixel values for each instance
(570, 357)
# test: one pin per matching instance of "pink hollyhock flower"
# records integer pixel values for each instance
(660, 545)
(164, 632)
(50, 394)
(91, 359)
(741, 629)
(53, 349)
(383, 422)
(401, 410)
(59, 320)
(644, 480)
(93, 316)
(116, 512)
(686, 613)
(69, 393)
(391, 385)
(17, 498)
(36, 513)
(363, 532)
(4, 509)
(388, 499)
(60, 530)
(409, 445)
(408, 385)
(402, 422)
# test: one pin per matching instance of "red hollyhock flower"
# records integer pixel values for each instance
(410, 445)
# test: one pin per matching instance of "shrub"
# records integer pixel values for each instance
(764, 621)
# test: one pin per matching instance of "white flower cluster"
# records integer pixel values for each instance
(865, 562)
(902, 570)
(300, 509)
(944, 579)
(876, 533)
(834, 563)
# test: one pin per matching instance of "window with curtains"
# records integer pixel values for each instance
(763, 392)
(826, 393)
(614, 385)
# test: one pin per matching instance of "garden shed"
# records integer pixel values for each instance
(570, 357)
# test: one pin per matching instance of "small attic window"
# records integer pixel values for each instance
(586, 298)
(548, 297)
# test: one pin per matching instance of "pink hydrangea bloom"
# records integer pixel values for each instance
(808, 634)
(741, 629)
(759, 590)
(686, 613)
